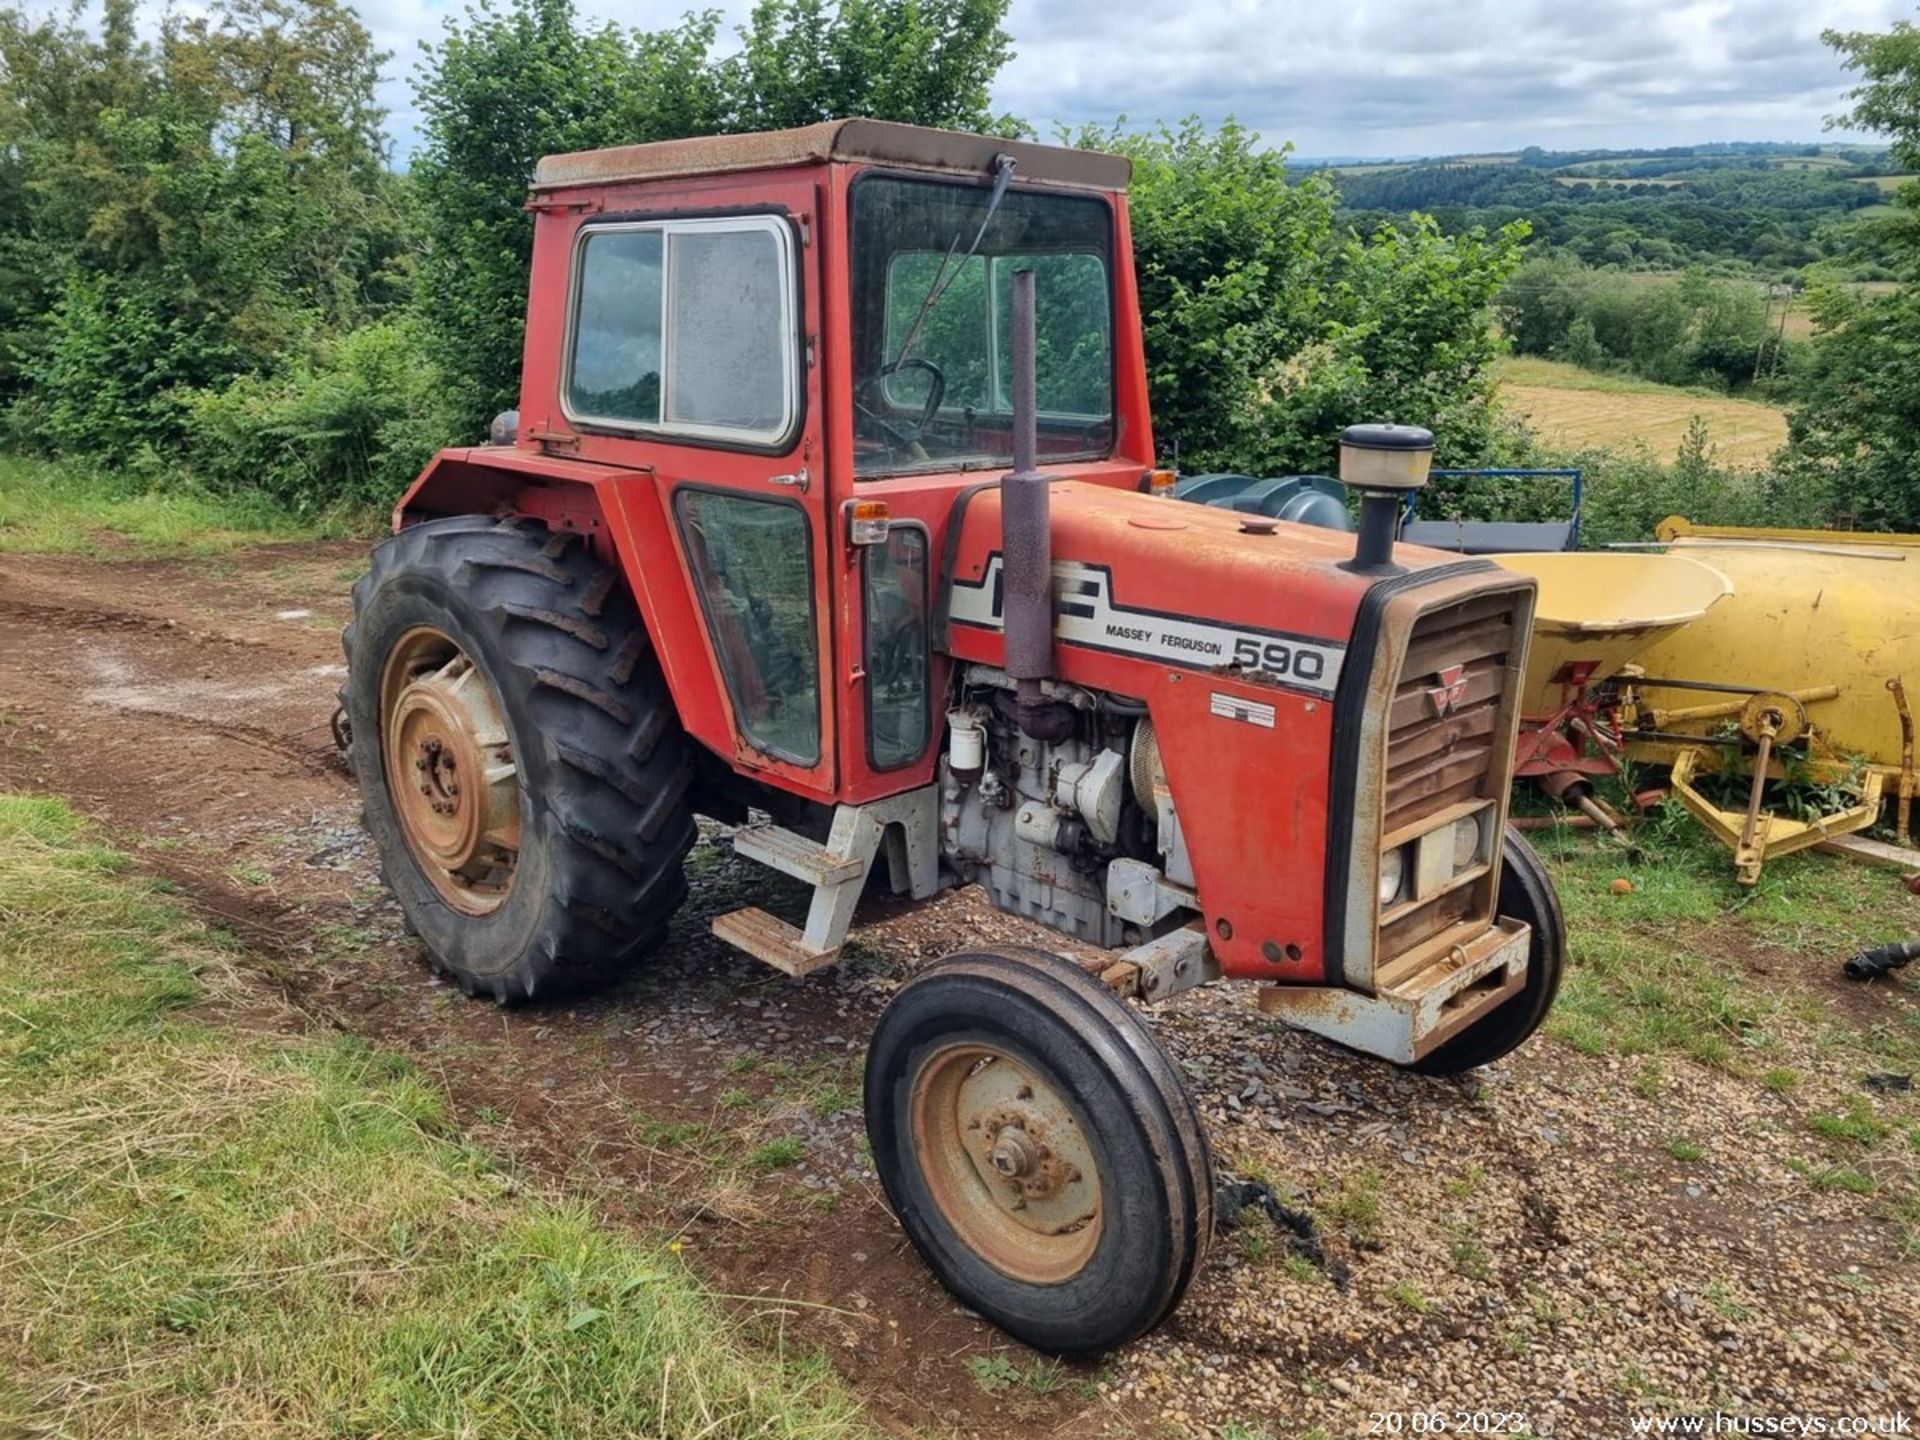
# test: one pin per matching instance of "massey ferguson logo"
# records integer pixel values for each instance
(1451, 690)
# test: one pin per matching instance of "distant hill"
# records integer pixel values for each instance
(1760, 207)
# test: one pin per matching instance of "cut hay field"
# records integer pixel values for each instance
(1576, 408)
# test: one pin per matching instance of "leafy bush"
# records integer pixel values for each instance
(1692, 330)
(1269, 330)
(183, 210)
(352, 426)
(1628, 493)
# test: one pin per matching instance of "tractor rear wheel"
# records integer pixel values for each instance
(520, 763)
(1526, 893)
(1039, 1148)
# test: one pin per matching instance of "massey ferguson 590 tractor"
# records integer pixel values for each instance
(830, 511)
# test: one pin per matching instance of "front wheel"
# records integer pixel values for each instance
(1039, 1148)
(1526, 893)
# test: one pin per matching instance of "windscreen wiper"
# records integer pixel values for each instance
(942, 280)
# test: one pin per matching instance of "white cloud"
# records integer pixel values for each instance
(1374, 77)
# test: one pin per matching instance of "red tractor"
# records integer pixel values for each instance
(830, 511)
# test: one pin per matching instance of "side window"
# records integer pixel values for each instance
(687, 327)
(894, 584)
(727, 341)
(752, 563)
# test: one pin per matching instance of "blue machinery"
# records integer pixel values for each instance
(1321, 500)
(1493, 537)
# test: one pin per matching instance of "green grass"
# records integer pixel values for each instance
(1407, 1295)
(1357, 1209)
(217, 1229)
(778, 1154)
(1651, 973)
(66, 508)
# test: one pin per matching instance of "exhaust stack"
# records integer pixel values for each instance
(1026, 531)
(1384, 464)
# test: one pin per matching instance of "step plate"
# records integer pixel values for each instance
(796, 855)
(769, 938)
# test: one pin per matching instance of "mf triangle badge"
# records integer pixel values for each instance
(1451, 690)
(1086, 613)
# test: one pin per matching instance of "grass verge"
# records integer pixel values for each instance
(64, 508)
(219, 1225)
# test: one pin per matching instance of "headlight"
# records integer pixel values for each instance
(1467, 837)
(1393, 874)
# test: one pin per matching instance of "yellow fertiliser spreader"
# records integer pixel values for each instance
(1781, 705)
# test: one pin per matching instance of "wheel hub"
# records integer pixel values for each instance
(1013, 1154)
(451, 771)
(1008, 1164)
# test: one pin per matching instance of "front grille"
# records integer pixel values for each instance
(1443, 727)
(1447, 740)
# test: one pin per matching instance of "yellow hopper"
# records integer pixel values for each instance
(1598, 611)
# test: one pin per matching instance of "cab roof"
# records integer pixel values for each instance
(874, 142)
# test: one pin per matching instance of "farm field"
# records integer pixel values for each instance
(1572, 407)
(1689, 1150)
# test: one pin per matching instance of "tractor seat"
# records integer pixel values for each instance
(1489, 537)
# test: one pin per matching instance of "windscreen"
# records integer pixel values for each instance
(932, 323)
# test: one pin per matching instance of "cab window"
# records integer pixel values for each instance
(686, 327)
(752, 564)
(933, 266)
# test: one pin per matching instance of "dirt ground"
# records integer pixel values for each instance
(1532, 1244)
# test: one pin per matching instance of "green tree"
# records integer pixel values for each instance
(924, 62)
(1269, 329)
(191, 209)
(1850, 434)
(1538, 306)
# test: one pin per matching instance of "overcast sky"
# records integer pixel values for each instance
(1377, 77)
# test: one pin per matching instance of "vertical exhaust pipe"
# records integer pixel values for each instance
(1026, 532)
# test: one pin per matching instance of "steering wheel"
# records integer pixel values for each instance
(906, 439)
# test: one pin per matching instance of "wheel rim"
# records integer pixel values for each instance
(1008, 1165)
(450, 770)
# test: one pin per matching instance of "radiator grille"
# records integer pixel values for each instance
(1444, 723)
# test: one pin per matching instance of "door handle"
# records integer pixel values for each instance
(799, 480)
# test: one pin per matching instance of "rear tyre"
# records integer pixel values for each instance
(522, 769)
(1039, 1148)
(1526, 893)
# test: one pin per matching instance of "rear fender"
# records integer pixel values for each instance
(620, 514)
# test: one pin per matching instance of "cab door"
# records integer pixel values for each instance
(693, 331)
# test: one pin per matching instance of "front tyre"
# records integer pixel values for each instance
(1039, 1148)
(1526, 893)
(521, 767)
